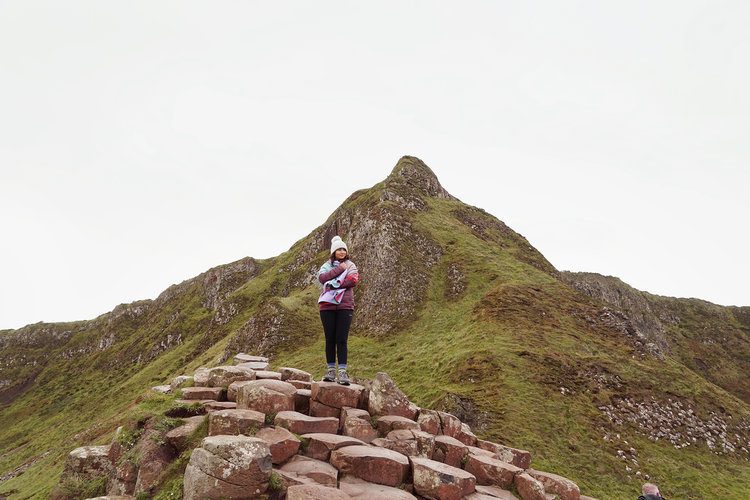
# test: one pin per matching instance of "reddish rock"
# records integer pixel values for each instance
(490, 471)
(289, 479)
(364, 490)
(155, 455)
(473, 450)
(235, 422)
(519, 458)
(336, 395)
(565, 488)
(318, 409)
(234, 388)
(317, 470)
(450, 425)
(302, 401)
(179, 436)
(390, 423)
(255, 365)
(424, 442)
(300, 423)
(300, 384)
(319, 446)
(466, 436)
(373, 464)
(228, 467)
(450, 451)
(222, 376)
(356, 423)
(282, 443)
(405, 447)
(267, 375)
(193, 393)
(529, 488)
(89, 460)
(266, 396)
(315, 492)
(440, 481)
(211, 406)
(247, 358)
(385, 398)
(429, 421)
(496, 492)
(294, 374)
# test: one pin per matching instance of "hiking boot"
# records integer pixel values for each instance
(343, 377)
(330, 375)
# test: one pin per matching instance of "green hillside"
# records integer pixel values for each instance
(459, 309)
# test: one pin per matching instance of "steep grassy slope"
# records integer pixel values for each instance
(460, 310)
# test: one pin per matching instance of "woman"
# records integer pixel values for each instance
(337, 276)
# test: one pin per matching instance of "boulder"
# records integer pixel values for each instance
(155, 454)
(317, 470)
(519, 458)
(490, 471)
(315, 492)
(319, 446)
(222, 376)
(373, 464)
(266, 396)
(201, 393)
(440, 481)
(318, 409)
(234, 388)
(267, 375)
(385, 398)
(336, 395)
(450, 425)
(496, 492)
(300, 384)
(282, 443)
(300, 423)
(254, 365)
(529, 488)
(179, 381)
(390, 423)
(212, 406)
(235, 422)
(423, 442)
(364, 490)
(180, 436)
(228, 467)
(565, 488)
(356, 423)
(466, 436)
(450, 451)
(89, 461)
(429, 421)
(200, 377)
(162, 389)
(294, 374)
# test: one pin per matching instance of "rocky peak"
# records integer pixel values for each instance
(411, 174)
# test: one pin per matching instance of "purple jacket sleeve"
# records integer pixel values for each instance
(331, 274)
(350, 281)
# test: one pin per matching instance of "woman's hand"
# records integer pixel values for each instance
(346, 264)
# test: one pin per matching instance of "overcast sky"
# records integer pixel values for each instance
(143, 142)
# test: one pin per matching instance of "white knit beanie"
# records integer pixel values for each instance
(337, 243)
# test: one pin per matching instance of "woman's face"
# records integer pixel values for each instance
(340, 253)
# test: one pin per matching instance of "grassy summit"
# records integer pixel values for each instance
(459, 309)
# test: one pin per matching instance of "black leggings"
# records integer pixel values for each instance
(336, 327)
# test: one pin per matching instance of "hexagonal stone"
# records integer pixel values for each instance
(356, 423)
(317, 470)
(337, 395)
(235, 422)
(450, 451)
(300, 423)
(373, 464)
(219, 405)
(266, 396)
(473, 450)
(283, 444)
(364, 490)
(429, 421)
(490, 471)
(267, 374)
(294, 374)
(466, 436)
(567, 489)
(234, 388)
(390, 423)
(300, 384)
(179, 436)
(496, 492)
(302, 401)
(515, 456)
(318, 409)
(385, 398)
(247, 358)
(222, 376)
(289, 479)
(315, 492)
(227, 467)
(254, 365)
(193, 393)
(440, 481)
(423, 442)
(200, 377)
(319, 446)
(529, 488)
(450, 425)
(89, 460)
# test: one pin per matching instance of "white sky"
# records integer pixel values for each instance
(144, 142)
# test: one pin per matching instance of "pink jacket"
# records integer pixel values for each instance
(349, 283)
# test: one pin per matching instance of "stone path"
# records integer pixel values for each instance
(280, 434)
